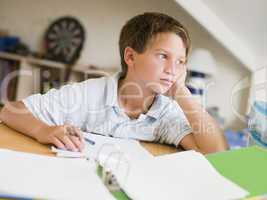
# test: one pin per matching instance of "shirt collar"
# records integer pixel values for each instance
(157, 107)
(112, 97)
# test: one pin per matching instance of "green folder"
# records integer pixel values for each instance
(246, 167)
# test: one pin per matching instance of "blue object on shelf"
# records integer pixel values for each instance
(195, 90)
(8, 42)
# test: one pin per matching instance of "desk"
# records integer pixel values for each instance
(14, 140)
(246, 167)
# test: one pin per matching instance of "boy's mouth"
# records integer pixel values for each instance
(167, 81)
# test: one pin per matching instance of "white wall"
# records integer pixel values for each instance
(103, 20)
(247, 21)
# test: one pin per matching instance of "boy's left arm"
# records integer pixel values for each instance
(207, 137)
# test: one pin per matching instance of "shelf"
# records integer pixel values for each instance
(53, 64)
(28, 85)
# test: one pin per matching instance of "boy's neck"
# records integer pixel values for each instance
(134, 97)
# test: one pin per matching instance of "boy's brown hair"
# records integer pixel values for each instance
(139, 30)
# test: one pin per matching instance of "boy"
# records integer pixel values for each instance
(153, 49)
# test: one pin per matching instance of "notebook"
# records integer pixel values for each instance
(184, 175)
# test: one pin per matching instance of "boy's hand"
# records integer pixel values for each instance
(179, 84)
(64, 137)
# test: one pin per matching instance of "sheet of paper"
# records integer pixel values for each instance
(110, 146)
(42, 177)
(116, 155)
(107, 149)
(184, 175)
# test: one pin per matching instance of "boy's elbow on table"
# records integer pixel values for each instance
(217, 146)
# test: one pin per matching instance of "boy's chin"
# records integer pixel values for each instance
(160, 90)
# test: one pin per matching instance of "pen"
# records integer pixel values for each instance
(89, 141)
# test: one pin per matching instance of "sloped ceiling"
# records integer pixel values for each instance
(239, 25)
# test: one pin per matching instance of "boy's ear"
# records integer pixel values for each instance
(129, 54)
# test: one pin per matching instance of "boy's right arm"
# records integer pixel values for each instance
(18, 117)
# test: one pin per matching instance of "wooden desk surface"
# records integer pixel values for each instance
(14, 140)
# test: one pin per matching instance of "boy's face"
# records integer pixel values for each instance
(160, 65)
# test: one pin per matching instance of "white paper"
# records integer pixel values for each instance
(184, 175)
(109, 146)
(35, 176)
(107, 149)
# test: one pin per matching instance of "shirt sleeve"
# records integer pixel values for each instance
(173, 125)
(57, 105)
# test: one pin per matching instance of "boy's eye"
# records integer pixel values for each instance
(162, 56)
(180, 62)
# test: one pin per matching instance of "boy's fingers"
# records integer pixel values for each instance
(58, 144)
(74, 131)
(69, 128)
(79, 134)
(68, 143)
(77, 142)
(72, 138)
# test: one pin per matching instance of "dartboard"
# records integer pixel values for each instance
(64, 40)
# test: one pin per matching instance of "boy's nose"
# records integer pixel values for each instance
(170, 68)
